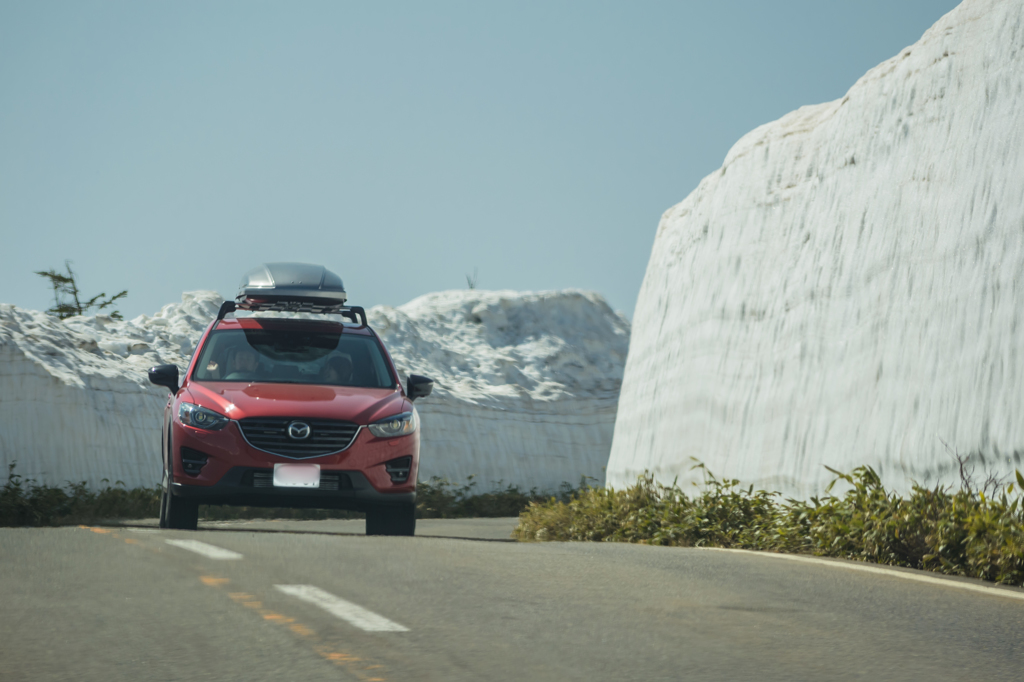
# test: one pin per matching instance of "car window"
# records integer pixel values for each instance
(295, 357)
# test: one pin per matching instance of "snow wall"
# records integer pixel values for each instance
(848, 288)
(526, 386)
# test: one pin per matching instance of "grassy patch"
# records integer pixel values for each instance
(441, 499)
(969, 532)
(27, 503)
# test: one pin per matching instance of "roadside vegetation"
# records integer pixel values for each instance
(975, 531)
(28, 503)
(25, 503)
(441, 499)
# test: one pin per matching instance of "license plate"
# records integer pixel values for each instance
(296, 475)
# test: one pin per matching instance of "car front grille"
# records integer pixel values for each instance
(271, 434)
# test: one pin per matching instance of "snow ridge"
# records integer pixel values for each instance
(526, 385)
(75, 401)
(848, 288)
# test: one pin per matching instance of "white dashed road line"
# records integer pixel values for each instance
(869, 568)
(208, 551)
(347, 611)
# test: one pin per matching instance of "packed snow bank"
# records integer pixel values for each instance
(526, 386)
(849, 287)
(75, 402)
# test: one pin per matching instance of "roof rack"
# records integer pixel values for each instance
(292, 282)
(293, 288)
(354, 313)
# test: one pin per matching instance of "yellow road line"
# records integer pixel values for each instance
(349, 662)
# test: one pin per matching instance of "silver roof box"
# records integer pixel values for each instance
(298, 283)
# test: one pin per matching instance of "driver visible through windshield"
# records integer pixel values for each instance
(293, 357)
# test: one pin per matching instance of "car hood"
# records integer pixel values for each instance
(348, 403)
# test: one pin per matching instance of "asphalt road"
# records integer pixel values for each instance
(319, 601)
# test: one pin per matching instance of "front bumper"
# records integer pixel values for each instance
(236, 488)
(225, 459)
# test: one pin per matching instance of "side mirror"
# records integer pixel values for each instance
(418, 387)
(165, 375)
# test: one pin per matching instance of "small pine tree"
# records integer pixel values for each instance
(66, 301)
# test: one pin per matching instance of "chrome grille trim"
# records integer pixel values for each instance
(292, 449)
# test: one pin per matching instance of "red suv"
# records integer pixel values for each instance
(285, 412)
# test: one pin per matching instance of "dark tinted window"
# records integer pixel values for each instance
(293, 356)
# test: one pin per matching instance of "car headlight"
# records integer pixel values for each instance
(201, 417)
(398, 425)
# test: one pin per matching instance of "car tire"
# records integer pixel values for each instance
(179, 513)
(397, 520)
(163, 508)
(182, 513)
(165, 486)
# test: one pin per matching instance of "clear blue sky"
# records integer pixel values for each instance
(171, 146)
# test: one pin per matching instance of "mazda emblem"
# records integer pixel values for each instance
(299, 430)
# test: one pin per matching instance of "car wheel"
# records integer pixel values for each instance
(163, 508)
(166, 502)
(182, 513)
(179, 513)
(398, 520)
(165, 487)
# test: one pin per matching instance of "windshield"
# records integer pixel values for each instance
(293, 357)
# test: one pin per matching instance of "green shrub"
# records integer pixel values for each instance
(441, 499)
(963, 532)
(26, 503)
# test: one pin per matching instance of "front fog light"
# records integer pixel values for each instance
(398, 425)
(398, 469)
(201, 417)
